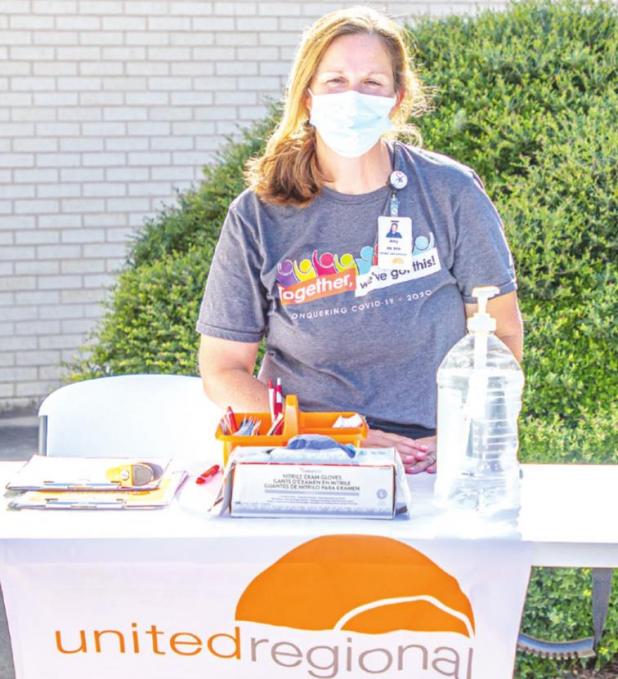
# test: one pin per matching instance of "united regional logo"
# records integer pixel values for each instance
(335, 606)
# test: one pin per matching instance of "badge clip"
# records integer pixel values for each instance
(134, 475)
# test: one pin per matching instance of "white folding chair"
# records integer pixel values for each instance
(128, 416)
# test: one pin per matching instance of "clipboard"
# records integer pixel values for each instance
(77, 474)
(156, 498)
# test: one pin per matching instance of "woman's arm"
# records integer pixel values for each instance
(226, 368)
(509, 324)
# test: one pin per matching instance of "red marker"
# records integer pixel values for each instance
(206, 476)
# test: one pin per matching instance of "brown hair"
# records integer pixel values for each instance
(288, 172)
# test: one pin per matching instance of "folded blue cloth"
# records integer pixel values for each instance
(319, 442)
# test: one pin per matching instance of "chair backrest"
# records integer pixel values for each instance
(131, 415)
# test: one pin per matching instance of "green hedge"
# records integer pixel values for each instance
(528, 98)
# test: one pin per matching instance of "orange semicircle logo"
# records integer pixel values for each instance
(357, 583)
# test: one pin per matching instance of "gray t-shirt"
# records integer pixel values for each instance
(341, 333)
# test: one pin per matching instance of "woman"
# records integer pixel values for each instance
(353, 320)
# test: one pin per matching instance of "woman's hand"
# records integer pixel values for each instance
(417, 455)
(428, 464)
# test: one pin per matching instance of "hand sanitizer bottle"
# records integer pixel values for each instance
(479, 399)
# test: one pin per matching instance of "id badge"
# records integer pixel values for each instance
(394, 242)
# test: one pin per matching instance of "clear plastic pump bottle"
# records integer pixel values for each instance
(479, 398)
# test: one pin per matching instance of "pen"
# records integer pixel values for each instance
(206, 476)
(225, 425)
(93, 504)
(62, 485)
(230, 413)
(275, 425)
(278, 398)
(279, 408)
(271, 400)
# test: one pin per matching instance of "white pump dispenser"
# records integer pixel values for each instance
(479, 399)
(481, 321)
(480, 324)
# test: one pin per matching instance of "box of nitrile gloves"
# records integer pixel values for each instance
(363, 489)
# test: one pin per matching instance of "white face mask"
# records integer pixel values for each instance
(350, 123)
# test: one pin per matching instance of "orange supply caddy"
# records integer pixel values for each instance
(295, 422)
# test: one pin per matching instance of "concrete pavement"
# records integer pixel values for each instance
(18, 434)
(18, 441)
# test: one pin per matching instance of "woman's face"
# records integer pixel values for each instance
(358, 62)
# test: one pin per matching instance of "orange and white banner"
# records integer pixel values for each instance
(317, 288)
(341, 606)
(377, 278)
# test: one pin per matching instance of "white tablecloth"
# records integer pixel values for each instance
(568, 517)
(85, 589)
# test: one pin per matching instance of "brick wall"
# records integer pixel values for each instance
(106, 108)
